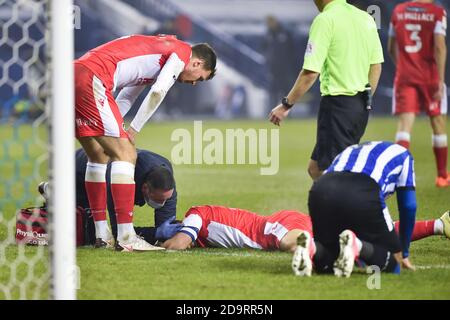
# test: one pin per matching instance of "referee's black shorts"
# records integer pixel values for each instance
(346, 200)
(341, 122)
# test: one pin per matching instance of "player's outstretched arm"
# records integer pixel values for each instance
(407, 206)
(167, 77)
(180, 241)
(304, 82)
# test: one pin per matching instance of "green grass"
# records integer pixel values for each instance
(243, 274)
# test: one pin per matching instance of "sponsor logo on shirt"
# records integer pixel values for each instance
(86, 122)
(146, 81)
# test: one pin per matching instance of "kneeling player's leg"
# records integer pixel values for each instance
(325, 226)
(95, 184)
(379, 242)
(369, 232)
(123, 156)
(377, 255)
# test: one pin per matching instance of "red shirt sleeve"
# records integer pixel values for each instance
(441, 22)
(183, 51)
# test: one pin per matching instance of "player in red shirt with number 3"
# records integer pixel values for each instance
(417, 47)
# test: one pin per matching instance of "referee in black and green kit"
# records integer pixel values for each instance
(345, 49)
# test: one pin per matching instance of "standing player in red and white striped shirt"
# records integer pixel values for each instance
(417, 47)
(127, 64)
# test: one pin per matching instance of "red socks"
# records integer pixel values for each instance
(122, 189)
(440, 152)
(95, 183)
(439, 147)
(422, 229)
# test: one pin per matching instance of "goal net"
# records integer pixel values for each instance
(36, 144)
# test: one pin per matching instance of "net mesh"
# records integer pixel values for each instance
(24, 269)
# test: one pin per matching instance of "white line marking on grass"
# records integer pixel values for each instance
(434, 266)
(279, 255)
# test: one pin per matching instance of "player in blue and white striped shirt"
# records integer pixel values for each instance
(349, 214)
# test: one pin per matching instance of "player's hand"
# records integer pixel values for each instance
(168, 229)
(439, 94)
(278, 114)
(131, 135)
(406, 264)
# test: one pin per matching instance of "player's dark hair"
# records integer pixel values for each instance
(160, 178)
(208, 55)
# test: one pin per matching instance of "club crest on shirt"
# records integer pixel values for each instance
(310, 48)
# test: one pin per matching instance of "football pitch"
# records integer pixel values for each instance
(250, 274)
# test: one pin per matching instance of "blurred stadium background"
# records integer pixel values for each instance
(260, 44)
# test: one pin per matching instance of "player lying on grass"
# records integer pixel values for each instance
(222, 227)
(155, 186)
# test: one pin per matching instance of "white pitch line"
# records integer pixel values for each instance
(282, 256)
(232, 254)
(434, 266)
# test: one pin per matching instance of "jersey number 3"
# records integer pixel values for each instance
(415, 29)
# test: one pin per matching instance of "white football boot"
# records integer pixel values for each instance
(348, 253)
(301, 261)
(133, 242)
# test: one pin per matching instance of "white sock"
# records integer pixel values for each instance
(438, 227)
(124, 231)
(102, 230)
(402, 136)
(439, 141)
(95, 172)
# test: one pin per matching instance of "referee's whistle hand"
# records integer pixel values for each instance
(278, 114)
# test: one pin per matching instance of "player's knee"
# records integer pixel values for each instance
(101, 157)
(439, 125)
(126, 152)
(97, 155)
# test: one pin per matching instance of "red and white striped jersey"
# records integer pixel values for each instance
(134, 60)
(216, 226)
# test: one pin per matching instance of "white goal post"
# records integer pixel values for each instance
(62, 172)
(37, 143)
